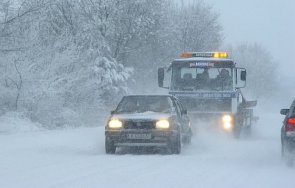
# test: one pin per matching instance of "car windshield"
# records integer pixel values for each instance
(140, 104)
(193, 78)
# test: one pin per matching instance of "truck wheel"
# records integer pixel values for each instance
(248, 131)
(110, 148)
(237, 132)
(175, 145)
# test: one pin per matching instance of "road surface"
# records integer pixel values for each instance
(76, 158)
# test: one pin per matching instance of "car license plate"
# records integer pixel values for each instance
(139, 136)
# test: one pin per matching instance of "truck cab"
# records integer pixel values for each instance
(209, 85)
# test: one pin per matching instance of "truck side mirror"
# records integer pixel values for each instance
(161, 74)
(240, 77)
(243, 75)
(284, 111)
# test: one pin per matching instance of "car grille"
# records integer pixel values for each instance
(139, 125)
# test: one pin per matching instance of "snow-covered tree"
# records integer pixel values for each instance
(63, 59)
(262, 77)
(64, 64)
(194, 27)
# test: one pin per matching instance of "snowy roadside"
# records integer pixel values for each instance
(16, 122)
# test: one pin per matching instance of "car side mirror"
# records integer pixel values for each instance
(284, 111)
(184, 112)
(243, 75)
(161, 74)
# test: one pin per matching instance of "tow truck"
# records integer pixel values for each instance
(209, 85)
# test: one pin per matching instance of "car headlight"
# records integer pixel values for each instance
(115, 124)
(227, 121)
(162, 124)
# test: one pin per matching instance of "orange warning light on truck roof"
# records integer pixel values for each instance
(204, 54)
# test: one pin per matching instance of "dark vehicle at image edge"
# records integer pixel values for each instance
(288, 134)
(148, 121)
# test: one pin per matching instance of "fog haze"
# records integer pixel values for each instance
(65, 64)
(267, 22)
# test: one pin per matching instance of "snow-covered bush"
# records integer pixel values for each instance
(17, 122)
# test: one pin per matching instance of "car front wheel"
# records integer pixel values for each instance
(110, 148)
(175, 145)
(186, 139)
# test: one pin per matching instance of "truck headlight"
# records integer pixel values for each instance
(115, 124)
(162, 124)
(227, 122)
(227, 118)
(227, 126)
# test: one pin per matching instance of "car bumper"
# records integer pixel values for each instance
(291, 135)
(150, 138)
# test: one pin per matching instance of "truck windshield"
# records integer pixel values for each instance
(202, 78)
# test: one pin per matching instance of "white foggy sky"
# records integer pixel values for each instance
(267, 22)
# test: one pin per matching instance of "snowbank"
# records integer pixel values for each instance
(17, 122)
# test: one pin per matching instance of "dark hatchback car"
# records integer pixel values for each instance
(288, 134)
(148, 121)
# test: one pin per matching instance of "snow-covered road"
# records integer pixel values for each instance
(75, 158)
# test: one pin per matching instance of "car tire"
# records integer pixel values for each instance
(175, 145)
(283, 151)
(110, 148)
(286, 155)
(186, 139)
